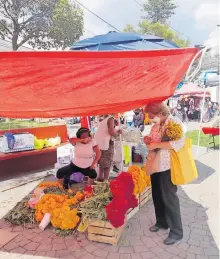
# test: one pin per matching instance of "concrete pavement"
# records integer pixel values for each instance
(200, 214)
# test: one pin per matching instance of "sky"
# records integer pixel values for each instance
(196, 20)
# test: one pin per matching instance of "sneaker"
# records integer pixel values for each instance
(115, 169)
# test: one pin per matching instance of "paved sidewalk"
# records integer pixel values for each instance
(199, 208)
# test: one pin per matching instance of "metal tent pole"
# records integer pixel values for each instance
(200, 124)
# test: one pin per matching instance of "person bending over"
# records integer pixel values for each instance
(86, 157)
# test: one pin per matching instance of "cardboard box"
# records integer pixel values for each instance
(65, 154)
(22, 142)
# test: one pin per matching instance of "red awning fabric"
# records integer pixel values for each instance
(65, 84)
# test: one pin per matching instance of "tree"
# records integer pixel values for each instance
(160, 30)
(129, 28)
(43, 24)
(159, 10)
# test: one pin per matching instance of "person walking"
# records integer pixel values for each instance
(164, 192)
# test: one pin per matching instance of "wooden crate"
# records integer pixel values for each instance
(145, 196)
(131, 212)
(104, 232)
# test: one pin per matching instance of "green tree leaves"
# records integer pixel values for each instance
(43, 24)
(159, 11)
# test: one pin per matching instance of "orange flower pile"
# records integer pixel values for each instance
(47, 204)
(64, 218)
(74, 200)
(140, 179)
(50, 184)
(147, 120)
(147, 177)
(58, 206)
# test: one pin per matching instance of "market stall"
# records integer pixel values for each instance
(118, 81)
(38, 145)
(191, 98)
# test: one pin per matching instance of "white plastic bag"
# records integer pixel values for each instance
(45, 221)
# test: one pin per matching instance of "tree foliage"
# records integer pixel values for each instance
(159, 11)
(160, 30)
(43, 24)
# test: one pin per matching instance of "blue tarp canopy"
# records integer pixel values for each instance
(123, 41)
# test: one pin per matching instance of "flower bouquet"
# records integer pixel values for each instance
(171, 131)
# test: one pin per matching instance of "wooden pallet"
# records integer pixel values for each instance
(102, 231)
(145, 196)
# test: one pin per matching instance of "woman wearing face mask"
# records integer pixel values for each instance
(165, 199)
(86, 156)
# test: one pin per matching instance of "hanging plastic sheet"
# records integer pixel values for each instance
(65, 84)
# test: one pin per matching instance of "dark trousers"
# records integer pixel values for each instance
(166, 203)
(66, 171)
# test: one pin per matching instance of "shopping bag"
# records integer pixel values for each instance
(127, 156)
(153, 162)
(183, 167)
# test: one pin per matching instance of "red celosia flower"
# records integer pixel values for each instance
(123, 199)
(88, 189)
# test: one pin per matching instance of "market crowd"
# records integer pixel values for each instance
(190, 109)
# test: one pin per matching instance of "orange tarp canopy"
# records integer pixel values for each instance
(65, 84)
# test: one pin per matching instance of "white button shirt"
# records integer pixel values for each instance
(156, 136)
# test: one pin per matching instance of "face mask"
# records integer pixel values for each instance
(156, 120)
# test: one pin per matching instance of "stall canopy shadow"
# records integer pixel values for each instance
(204, 172)
(198, 241)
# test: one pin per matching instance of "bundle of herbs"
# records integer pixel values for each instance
(21, 214)
(93, 208)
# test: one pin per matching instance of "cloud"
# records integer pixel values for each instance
(194, 18)
(207, 14)
(117, 13)
(207, 18)
(213, 40)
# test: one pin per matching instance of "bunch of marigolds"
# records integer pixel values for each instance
(50, 184)
(140, 178)
(64, 218)
(59, 207)
(173, 131)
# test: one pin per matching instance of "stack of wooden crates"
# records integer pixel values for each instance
(104, 232)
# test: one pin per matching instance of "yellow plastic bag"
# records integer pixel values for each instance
(183, 167)
(83, 225)
(127, 157)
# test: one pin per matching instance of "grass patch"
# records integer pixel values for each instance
(18, 124)
(204, 139)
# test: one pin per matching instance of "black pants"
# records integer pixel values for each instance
(66, 171)
(166, 203)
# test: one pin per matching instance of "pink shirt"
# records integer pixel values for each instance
(84, 154)
(156, 136)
